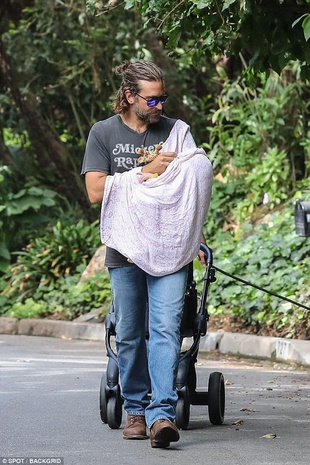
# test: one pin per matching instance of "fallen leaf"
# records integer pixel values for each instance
(269, 436)
(238, 422)
(246, 409)
(228, 383)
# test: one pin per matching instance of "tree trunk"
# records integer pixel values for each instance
(51, 152)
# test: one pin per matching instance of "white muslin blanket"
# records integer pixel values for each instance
(158, 224)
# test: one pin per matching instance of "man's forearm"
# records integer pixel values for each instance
(95, 183)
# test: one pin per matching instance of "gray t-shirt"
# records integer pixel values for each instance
(112, 148)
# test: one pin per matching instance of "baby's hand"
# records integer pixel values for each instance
(146, 176)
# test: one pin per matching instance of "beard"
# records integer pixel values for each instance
(150, 117)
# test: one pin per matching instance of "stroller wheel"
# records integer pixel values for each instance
(114, 410)
(182, 408)
(216, 398)
(103, 399)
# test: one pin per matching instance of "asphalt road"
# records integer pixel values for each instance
(49, 408)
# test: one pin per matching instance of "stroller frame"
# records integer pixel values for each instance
(193, 325)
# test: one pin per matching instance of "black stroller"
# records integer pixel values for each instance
(194, 325)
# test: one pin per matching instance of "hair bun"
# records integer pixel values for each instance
(122, 67)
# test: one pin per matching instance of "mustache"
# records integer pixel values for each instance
(156, 113)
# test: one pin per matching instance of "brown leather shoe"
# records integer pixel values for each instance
(135, 427)
(162, 433)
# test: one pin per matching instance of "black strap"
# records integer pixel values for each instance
(261, 289)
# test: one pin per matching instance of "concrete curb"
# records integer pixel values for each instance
(248, 345)
(52, 328)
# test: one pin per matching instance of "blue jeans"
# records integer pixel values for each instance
(148, 366)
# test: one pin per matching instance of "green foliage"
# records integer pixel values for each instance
(63, 62)
(67, 300)
(269, 177)
(305, 24)
(268, 254)
(20, 213)
(259, 145)
(28, 309)
(57, 50)
(60, 253)
(27, 205)
(46, 279)
(248, 122)
(268, 35)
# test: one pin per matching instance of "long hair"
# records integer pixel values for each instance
(132, 73)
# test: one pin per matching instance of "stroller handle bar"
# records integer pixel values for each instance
(208, 253)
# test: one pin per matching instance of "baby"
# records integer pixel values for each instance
(146, 157)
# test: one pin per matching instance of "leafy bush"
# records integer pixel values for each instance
(26, 204)
(21, 211)
(259, 145)
(60, 253)
(68, 299)
(268, 254)
(266, 183)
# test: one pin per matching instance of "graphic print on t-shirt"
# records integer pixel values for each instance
(122, 161)
(112, 147)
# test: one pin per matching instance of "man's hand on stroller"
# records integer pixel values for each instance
(201, 255)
